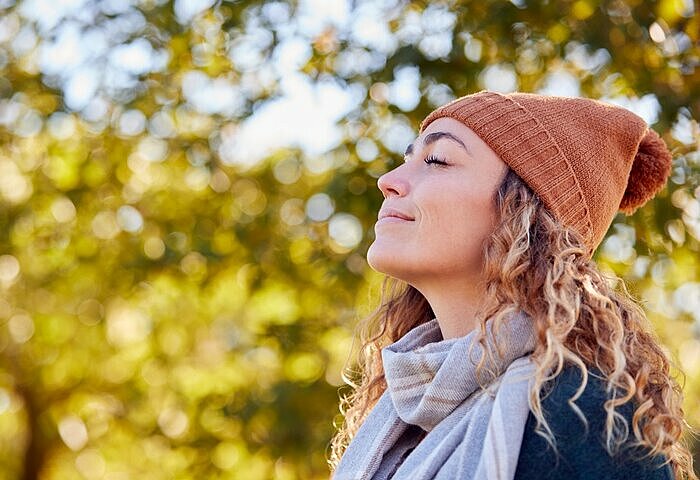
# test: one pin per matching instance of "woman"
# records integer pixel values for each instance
(499, 349)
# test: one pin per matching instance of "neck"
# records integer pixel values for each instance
(455, 304)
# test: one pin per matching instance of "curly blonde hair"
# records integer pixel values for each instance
(533, 263)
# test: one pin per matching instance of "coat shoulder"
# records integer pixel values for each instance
(581, 447)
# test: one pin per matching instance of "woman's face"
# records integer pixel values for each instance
(449, 207)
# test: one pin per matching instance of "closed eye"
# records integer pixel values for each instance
(433, 159)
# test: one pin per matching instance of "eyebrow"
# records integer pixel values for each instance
(434, 137)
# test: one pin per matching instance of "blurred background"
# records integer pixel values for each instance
(188, 190)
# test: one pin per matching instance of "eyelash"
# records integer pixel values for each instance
(433, 159)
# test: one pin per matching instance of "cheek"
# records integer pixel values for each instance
(457, 212)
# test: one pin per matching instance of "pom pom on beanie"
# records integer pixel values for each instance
(650, 170)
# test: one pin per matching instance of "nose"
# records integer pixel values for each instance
(391, 183)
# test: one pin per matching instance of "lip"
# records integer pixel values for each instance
(390, 219)
(393, 213)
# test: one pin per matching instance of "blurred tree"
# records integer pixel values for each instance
(175, 305)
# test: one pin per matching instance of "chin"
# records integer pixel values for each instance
(377, 259)
(373, 259)
(387, 261)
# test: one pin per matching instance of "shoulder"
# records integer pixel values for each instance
(591, 402)
(581, 447)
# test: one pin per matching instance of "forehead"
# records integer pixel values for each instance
(433, 137)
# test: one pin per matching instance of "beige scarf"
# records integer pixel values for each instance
(431, 382)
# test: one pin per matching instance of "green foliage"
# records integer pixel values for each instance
(168, 313)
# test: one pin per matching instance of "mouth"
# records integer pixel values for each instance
(393, 219)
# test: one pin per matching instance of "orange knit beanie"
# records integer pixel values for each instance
(584, 158)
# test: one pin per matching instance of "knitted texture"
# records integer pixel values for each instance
(432, 383)
(584, 158)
